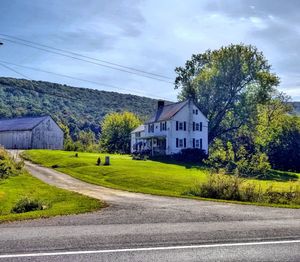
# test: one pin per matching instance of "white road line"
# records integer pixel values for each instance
(67, 253)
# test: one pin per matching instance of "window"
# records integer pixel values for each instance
(197, 127)
(163, 126)
(197, 143)
(180, 126)
(150, 128)
(196, 111)
(138, 134)
(180, 142)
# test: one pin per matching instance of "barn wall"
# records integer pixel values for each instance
(47, 135)
(16, 139)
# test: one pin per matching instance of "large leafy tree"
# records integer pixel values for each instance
(227, 84)
(116, 129)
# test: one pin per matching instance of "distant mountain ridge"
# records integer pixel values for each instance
(296, 106)
(77, 108)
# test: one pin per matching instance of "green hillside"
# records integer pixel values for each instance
(78, 108)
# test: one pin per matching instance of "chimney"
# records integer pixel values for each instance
(160, 104)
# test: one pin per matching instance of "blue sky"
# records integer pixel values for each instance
(155, 36)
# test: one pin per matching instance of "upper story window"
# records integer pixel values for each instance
(195, 111)
(138, 134)
(197, 126)
(181, 125)
(150, 128)
(163, 126)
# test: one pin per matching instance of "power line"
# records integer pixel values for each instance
(84, 60)
(17, 72)
(79, 79)
(92, 58)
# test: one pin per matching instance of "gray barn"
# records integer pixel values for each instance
(31, 133)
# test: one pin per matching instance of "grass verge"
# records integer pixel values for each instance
(57, 201)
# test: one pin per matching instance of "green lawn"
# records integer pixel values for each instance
(139, 176)
(57, 201)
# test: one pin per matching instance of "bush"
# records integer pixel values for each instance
(7, 166)
(219, 187)
(239, 161)
(235, 188)
(253, 165)
(191, 155)
(26, 205)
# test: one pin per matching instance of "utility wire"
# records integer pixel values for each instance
(88, 57)
(79, 79)
(17, 72)
(84, 60)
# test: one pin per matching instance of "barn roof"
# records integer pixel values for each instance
(167, 111)
(20, 124)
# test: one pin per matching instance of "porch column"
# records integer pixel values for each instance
(152, 146)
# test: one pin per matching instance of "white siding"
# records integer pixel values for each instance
(186, 115)
(47, 135)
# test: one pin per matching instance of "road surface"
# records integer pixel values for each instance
(152, 228)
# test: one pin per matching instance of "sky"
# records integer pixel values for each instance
(148, 35)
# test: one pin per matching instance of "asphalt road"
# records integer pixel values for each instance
(137, 221)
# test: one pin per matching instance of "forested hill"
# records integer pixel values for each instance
(78, 108)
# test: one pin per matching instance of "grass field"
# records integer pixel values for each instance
(151, 177)
(57, 201)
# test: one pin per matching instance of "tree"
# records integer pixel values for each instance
(116, 129)
(227, 84)
(284, 149)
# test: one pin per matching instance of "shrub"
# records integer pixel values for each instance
(191, 155)
(235, 188)
(220, 187)
(27, 205)
(7, 166)
(256, 164)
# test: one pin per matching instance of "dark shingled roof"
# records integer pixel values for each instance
(18, 124)
(167, 111)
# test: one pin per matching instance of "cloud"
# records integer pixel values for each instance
(149, 35)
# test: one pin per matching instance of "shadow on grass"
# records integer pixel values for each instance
(282, 176)
(187, 165)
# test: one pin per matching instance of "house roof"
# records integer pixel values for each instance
(139, 129)
(167, 111)
(20, 124)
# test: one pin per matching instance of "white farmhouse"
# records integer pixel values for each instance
(173, 127)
